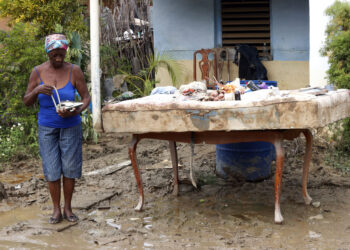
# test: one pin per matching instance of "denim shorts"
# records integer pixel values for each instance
(61, 152)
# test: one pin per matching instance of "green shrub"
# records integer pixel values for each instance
(144, 82)
(12, 142)
(89, 134)
(344, 142)
(112, 61)
(46, 14)
(337, 159)
(337, 44)
(20, 51)
(337, 48)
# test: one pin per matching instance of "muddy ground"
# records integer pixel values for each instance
(219, 215)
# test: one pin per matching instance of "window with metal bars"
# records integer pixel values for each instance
(247, 22)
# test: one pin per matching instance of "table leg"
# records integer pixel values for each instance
(132, 155)
(278, 179)
(308, 151)
(174, 162)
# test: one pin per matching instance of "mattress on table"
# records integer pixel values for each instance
(258, 111)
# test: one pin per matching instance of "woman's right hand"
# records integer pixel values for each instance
(44, 89)
(34, 88)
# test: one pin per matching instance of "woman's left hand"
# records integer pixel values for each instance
(64, 113)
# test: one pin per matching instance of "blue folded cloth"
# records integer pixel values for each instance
(168, 90)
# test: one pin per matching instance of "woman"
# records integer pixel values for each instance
(60, 132)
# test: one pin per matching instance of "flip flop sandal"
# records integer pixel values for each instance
(54, 220)
(72, 218)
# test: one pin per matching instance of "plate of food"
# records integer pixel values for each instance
(70, 105)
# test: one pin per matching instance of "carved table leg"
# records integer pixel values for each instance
(132, 155)
(308, 151)
(174, 162)
(278, 179)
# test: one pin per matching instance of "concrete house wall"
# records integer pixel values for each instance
(289, 24)
(290, 30)
(182, 27)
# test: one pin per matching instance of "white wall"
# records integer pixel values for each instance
(318, 22)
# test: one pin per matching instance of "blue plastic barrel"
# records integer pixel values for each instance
(248, 160)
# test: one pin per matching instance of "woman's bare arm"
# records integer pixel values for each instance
(81, 87)
(34, 88)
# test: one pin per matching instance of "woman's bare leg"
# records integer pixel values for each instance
(55, 192)
(68, 188)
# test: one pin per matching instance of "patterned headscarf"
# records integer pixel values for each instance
(55, 41)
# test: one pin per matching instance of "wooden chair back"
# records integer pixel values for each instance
(205, 65)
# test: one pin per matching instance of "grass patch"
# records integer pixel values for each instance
(338, 159)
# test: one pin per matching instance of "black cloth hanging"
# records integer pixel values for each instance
(250, 67)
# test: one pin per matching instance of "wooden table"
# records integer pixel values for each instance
(271, 119)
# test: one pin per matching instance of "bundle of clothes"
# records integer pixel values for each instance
(224, 91)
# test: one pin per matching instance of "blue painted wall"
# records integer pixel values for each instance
(290, 30)
(183, 26)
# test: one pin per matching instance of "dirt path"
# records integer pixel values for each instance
(220, 215)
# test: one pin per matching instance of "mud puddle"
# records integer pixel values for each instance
(220, 215)
(27, 228)
(217, 218)
(214, 218)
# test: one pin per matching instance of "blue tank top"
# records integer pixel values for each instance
(48, 116)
